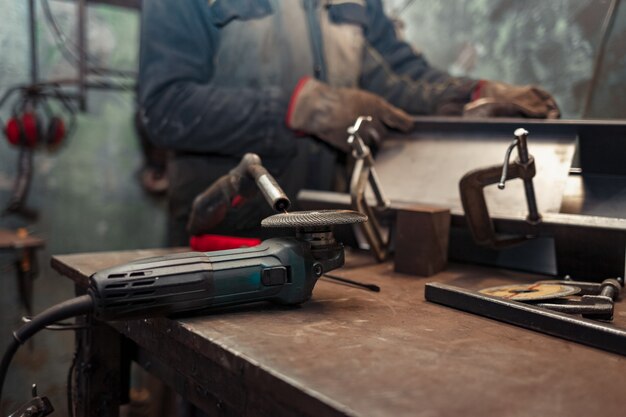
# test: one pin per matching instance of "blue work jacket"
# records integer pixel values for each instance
(216, 78)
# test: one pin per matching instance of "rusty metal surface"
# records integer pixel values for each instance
(354, 352)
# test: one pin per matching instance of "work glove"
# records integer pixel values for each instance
(496, 99)
(326, 112)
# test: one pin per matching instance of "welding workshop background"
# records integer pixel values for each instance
(88, 194)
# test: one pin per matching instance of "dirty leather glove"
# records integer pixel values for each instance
(496, 99)
(327, 112)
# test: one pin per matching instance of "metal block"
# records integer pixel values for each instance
(422, 235)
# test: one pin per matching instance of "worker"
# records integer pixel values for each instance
(284, 79)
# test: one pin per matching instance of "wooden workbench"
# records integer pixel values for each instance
(349, 351)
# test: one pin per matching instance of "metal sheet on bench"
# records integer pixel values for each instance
(426, 166)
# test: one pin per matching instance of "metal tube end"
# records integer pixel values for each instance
(520, 132)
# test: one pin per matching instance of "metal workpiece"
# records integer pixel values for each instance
(358, 146)
(610, 287)
(597, 301)
(585, 246)
(587, 308)
(210, 207)
(364, 174)
(473, 199)
(273, 193)
(252, 167)
(555, 323)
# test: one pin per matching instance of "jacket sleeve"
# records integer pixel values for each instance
(394, 70)
(180, 107)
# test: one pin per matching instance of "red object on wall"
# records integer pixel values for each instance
(22, 130)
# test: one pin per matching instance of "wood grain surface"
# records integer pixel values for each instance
(353, 352)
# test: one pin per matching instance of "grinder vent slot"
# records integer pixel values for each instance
(148, 292)
(120, 285)
(143, 283)
(116, 295)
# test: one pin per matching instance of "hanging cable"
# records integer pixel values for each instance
(63, 43)
(607, 28)
(67, 309)
(395, 14)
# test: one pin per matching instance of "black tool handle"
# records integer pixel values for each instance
(280, 270)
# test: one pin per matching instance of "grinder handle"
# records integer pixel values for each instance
(279, 270)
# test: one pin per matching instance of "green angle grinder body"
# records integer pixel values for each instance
(282, 270)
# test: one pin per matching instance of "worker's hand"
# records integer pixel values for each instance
(327, 112)
(496, 99)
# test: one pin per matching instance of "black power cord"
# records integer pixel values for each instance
(65, 310)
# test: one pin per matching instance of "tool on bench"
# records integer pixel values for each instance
(556, 318)
(363, 174)
(281, 270)
(210, 207)
(596, 298)
(417, 234)
(473, 199)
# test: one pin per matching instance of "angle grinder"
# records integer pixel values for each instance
(282, 270)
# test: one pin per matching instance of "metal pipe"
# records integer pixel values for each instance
(271, 190)
(82, 53)
(32, 26)
(505, 165)
(521, 135)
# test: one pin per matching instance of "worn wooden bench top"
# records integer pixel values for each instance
(353, 352)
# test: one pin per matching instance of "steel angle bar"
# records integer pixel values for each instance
(587, 332)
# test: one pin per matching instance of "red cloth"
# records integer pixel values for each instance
(210, 243)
